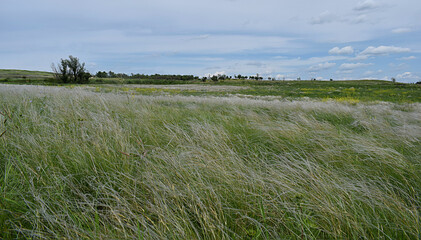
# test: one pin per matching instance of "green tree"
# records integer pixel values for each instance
(61, 71)
(111, 74)
(71, 71)
(102, 74)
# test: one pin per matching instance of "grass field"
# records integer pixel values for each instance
(24, 76)
(349, 91)
(115, 162)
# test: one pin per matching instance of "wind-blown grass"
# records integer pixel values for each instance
(80, 164)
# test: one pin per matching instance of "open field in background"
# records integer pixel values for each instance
(116, 162)
(24, 76)
(349, 91)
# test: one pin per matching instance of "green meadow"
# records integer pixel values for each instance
(227, 160)
(25, 76)
(347, 91)
(353, 91)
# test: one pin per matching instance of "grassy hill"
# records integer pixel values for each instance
(14, 75)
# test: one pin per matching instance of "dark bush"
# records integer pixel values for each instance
(71, 71)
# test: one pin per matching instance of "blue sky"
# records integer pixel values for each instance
(352, 39)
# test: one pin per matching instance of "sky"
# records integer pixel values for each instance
(338, 39)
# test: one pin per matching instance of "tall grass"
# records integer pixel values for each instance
(79, 164)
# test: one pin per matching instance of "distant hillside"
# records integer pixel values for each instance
(13, 74)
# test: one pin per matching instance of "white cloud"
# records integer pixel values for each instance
(210, 44)
(220, 73)
(367, 73)
(286, 67)
(384, 50)
(324, 17)
(408, 76)
(401, 30)
(370, 73)
(407, 58)
(359, 58)
(351, 66)
(280, 76)
(367, 5)
(360, 19)
(200, 37)
(341, 51)
(321, 66)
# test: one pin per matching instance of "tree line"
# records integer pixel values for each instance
(111, 74)
(71, 70)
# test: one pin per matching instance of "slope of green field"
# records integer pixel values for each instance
(13, 75)
(81, 164)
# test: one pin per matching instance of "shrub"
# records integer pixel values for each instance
(71, 71)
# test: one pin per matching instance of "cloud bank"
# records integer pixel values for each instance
(321, 66)
(367, 5)
(287, 38)
(352, 66)
(384, 50)
(341, 51)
